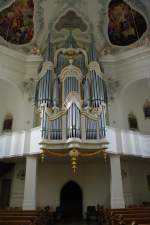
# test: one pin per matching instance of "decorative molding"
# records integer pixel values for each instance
(46, 66)
(73, 97)
(54, 114)
(95, 66)
(19, 55)
(92, 114)
(70, 71)
(64, 51)
(132, 53)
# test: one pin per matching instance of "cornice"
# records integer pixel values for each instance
(19, 56)
(135, 53)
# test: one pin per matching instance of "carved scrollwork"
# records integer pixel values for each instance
(95, 66)
(54, 113)
(73, 97)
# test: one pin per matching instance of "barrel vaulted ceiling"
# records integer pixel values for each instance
(115, 24)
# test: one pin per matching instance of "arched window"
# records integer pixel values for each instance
(8, 121)
(146, 109)
(133, 124)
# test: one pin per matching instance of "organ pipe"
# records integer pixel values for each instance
(56, 93)
(49, 94)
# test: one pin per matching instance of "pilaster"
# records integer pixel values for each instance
(116, 188)
(29, 202)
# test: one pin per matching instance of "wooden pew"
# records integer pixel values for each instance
(128, 216)
(135, 220)
(19, 222)
(31, 218)
(18, 217)
(27, 217)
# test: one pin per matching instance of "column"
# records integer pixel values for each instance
(117, 198)
(29, 202)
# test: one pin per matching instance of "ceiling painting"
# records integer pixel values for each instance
(16, 22)
(126, 25)
(25, 24)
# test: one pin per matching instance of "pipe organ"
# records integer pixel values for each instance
(71, 95)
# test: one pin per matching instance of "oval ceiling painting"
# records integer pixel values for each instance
(16, 22)
(126, 25)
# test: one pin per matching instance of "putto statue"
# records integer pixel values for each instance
(71, 96)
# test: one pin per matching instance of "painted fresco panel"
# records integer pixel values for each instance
(126, 25)
(16, 22)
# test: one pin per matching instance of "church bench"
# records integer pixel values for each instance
(113, 216)
(141, 224)
(27, 217)
(15, 222)
(129, 219)
(133, 215)
(13, 217)
(18, 213)
(31, 218)
(134, 220)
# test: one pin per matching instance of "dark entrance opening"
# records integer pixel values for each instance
(71, 201)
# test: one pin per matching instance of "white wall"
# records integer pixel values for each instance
(8, 175)
(14, 102)
(93, 178)
(131, 100)
(135, 184)
(17, 190)
(126, 68)
(15, 68)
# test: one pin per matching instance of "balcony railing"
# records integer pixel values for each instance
(124, 142)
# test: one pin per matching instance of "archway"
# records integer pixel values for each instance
(71, 200)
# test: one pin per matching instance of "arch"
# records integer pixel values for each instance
(11, 98)
(132, 99)
(70, 71)
(71, 200)
(13, 84)
(130, 83)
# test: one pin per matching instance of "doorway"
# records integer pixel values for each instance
(5, 193)
(71, 201)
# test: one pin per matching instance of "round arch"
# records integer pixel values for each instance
(131, 101)
(130, 83)
(13, 85)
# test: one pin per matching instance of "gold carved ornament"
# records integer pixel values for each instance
(74, 154)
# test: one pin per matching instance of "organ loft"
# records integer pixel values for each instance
(71, 97)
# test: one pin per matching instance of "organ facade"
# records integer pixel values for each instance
(71, 97)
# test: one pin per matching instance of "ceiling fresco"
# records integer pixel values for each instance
(25, 24)
(126, 25)
(16, 22)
